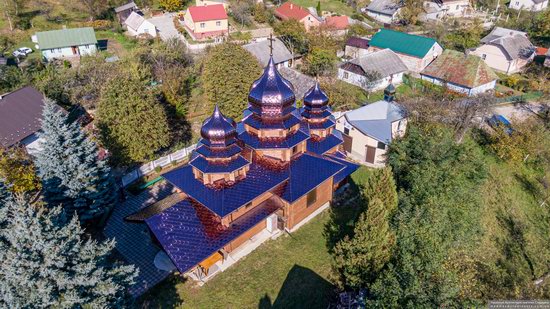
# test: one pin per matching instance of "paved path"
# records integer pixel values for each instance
(165, 26)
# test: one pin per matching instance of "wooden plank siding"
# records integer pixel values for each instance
(299, 210)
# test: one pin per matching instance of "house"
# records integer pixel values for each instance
(249, 181)
(337, 25)
(461, 73)
(123, 12)
(57, 44)
(261, 50)
(384, 11)
(356, 47)
(206, 22)
(440, 9)
(415, 51)
(211, 2)
(302, 83)
(506, 50)
(289, 10)
(385, 64)
(368, 130)
(138, 26)
(529, 5)
(20, 118)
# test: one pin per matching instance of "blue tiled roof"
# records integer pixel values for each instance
(223, 153)
(306, 173)
(326, 144)
(350, 167)
(206, 167)
(222, 202)
(189, 233)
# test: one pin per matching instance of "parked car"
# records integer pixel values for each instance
(22, 52)
(497, 121)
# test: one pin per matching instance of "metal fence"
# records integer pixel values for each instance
(161, 162)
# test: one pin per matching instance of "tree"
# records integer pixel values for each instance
(539, 30)
(343, 96)
(370, 79)
(11, 78)
(242, 12)
(12, 10)
(410, 11)
(132, 121)
(6, 43)
(46, 261)
(261, 14)
(320, 62)
(228, 72)
(94, 7)
(293, 34)
(17, 169)
(318, 8)
(171, 5)
(466, 110)
(70, 169)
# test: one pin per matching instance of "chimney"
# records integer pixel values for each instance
(291, 6)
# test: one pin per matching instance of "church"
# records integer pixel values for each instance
(274, 170)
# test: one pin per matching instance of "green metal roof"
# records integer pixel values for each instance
(401, 42)
(66, 38)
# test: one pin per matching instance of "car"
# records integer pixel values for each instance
(22, 52)
(497, 121)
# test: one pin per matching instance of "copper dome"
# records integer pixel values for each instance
(315, 98)
(218, 130)
(271, 95)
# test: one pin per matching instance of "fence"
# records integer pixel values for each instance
(161, 162)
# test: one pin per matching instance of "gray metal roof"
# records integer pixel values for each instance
(515, 44)
(127, 6)
(301, 82)
(134, 21)
(375, 119)
(386, 7)
(66, 38)
(260, 50)
(385, 62)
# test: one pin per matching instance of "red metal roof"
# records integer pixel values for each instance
(290, 10)
(541, 51)
(337, 22)
(208, 12)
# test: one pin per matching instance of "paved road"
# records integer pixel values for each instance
(165, 26)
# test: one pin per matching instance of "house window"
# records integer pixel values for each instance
(381, 145)
(346, 131)
(517, 3)
(294, 149)
(457, 7)
(218, 23)
(346, 75)
(311, 197)
(58, 50)
(203, 25)
(483, 56)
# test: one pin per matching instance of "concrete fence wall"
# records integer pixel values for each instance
(149, 167)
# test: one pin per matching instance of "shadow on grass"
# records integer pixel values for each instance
(163, 295)
(302, 288)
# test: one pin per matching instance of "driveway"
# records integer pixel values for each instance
(165, 26)
(517, 111)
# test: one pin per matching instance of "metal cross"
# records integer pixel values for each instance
(271, 39)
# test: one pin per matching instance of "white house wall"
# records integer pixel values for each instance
(57, 53)
(382, 17)
(359, 80)
(495, 58)
(459, 88)
(415, 64)
(528, 5)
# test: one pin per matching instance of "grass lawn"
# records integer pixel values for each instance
(327, 5)
(293, 271)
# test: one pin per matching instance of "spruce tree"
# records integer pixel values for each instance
(381, 185)
(70, 169)
(47, 261)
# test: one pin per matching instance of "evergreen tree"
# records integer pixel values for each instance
(71, 171)
(46, 261)
(381, 185)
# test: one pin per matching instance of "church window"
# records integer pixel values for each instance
(311, 197)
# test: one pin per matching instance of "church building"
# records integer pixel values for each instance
(274, 170)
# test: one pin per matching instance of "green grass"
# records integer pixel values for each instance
(327, 5)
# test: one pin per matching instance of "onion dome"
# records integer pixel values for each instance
(389, 93)
(218, 130)
(316, 103)
(271, 96)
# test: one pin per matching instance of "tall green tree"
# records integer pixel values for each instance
(70, 169)
(132, 121)
(17, 168)
(47, 261)
(229, 71)
(293, 34)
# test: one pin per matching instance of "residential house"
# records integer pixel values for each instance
(302, 83)
(383, 65)
(356, 47)
(529, 5)
(461, 73)
(261, 50)
(368, 130)
(20, 118)
(440, 9)
(250, 181)
(206, 22)
(289, 10)
(337, 25)
(415, 51)
(506, 50)
(384, 11)
(211, 2)
(136, 25)
(123, 12)
(75, 42)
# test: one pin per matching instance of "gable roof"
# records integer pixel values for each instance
(301, 82)
(66, 38)
(260, 50)
(134, 21)
(127, 6)
(207, 12)
(375, 119)
(460, 69)
(385, 62)
(514, 44)
(337, 22)
(358, 42)
(20, 115)
(404, 43)
(386, 7)
(289, 10)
